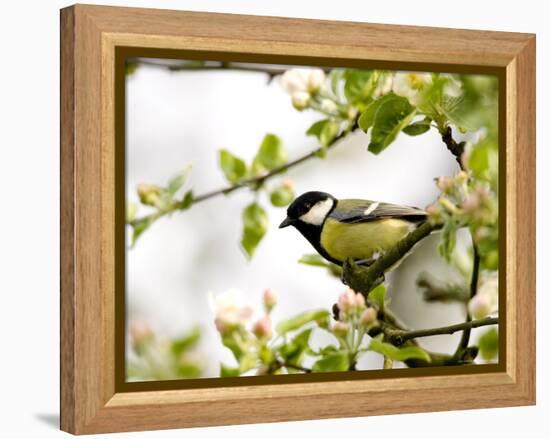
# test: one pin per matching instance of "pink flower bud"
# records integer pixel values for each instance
(368, 317)
(148, 193)
(346, 301)
(288, 183)
(471, 203)
(481, 234)
(341, 328)
(359, 301)
(140, 333)
(221, 326)
(479, 306)
(269, 299)
(350, 302)
(262, 328)
(444, 183)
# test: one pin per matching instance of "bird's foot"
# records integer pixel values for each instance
(369, 261)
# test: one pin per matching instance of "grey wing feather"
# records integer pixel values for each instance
(370, 211)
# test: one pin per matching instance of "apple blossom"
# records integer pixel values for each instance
(262, 328)
(230, 311)
(410, 85)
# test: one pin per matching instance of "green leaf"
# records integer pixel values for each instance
(333, 362)
(320, 315)
(271, 153)
(265, 354)
(398, 354)
(229, 342)
(488, 344)
(324, 351)
(447, 241)
(141, 226)
(325, 130)
(248, 361)
(255, 224)
(366, 119)
(478, 162)
(483, 161)
(378, 296)
(131, 211)
(359, 84)
(313, 259)
(232, 166)
(417, 128)
(476, 106)
(282, 196)
(177, 181)
(392, 116)
(328, 133)
(186, 201)
(317, 260)
(131, 67)
(316, 128)
(293, 351)
(188, 370)
(336, 76)
(182, 344)
(228, 371)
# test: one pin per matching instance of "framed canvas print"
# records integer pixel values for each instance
(269, 219)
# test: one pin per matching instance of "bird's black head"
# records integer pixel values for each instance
(309, 209)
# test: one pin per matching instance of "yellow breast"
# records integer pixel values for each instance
(362, 240)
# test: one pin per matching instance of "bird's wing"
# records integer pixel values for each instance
(358, 211)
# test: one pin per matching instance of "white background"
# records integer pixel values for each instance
(29, 182)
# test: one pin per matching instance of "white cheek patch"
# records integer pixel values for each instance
(370, 209)
(317, 214)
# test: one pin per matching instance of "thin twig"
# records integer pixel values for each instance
(398, 337)
(473, 291)
(255, 181)
(456, 148)
(296, 367)
(271, 71)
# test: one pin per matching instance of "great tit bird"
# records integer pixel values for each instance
(361, 230)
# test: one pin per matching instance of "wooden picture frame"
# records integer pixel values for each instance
(91, 400)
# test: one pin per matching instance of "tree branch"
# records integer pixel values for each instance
(296, 367)
(456, 148)
(254, 182)
(363, 280)
(438, 291)
(473, 291)
(465, 356)
(270, 70)
(398, 337)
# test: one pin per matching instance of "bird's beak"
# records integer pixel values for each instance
(286, 222)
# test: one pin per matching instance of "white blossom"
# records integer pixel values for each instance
(328, 106)
(303, 80)
(410, 85)
(452, 87)
(230, 310)
(384, 86)
(300, 99)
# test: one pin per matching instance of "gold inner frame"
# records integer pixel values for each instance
(122, 53)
